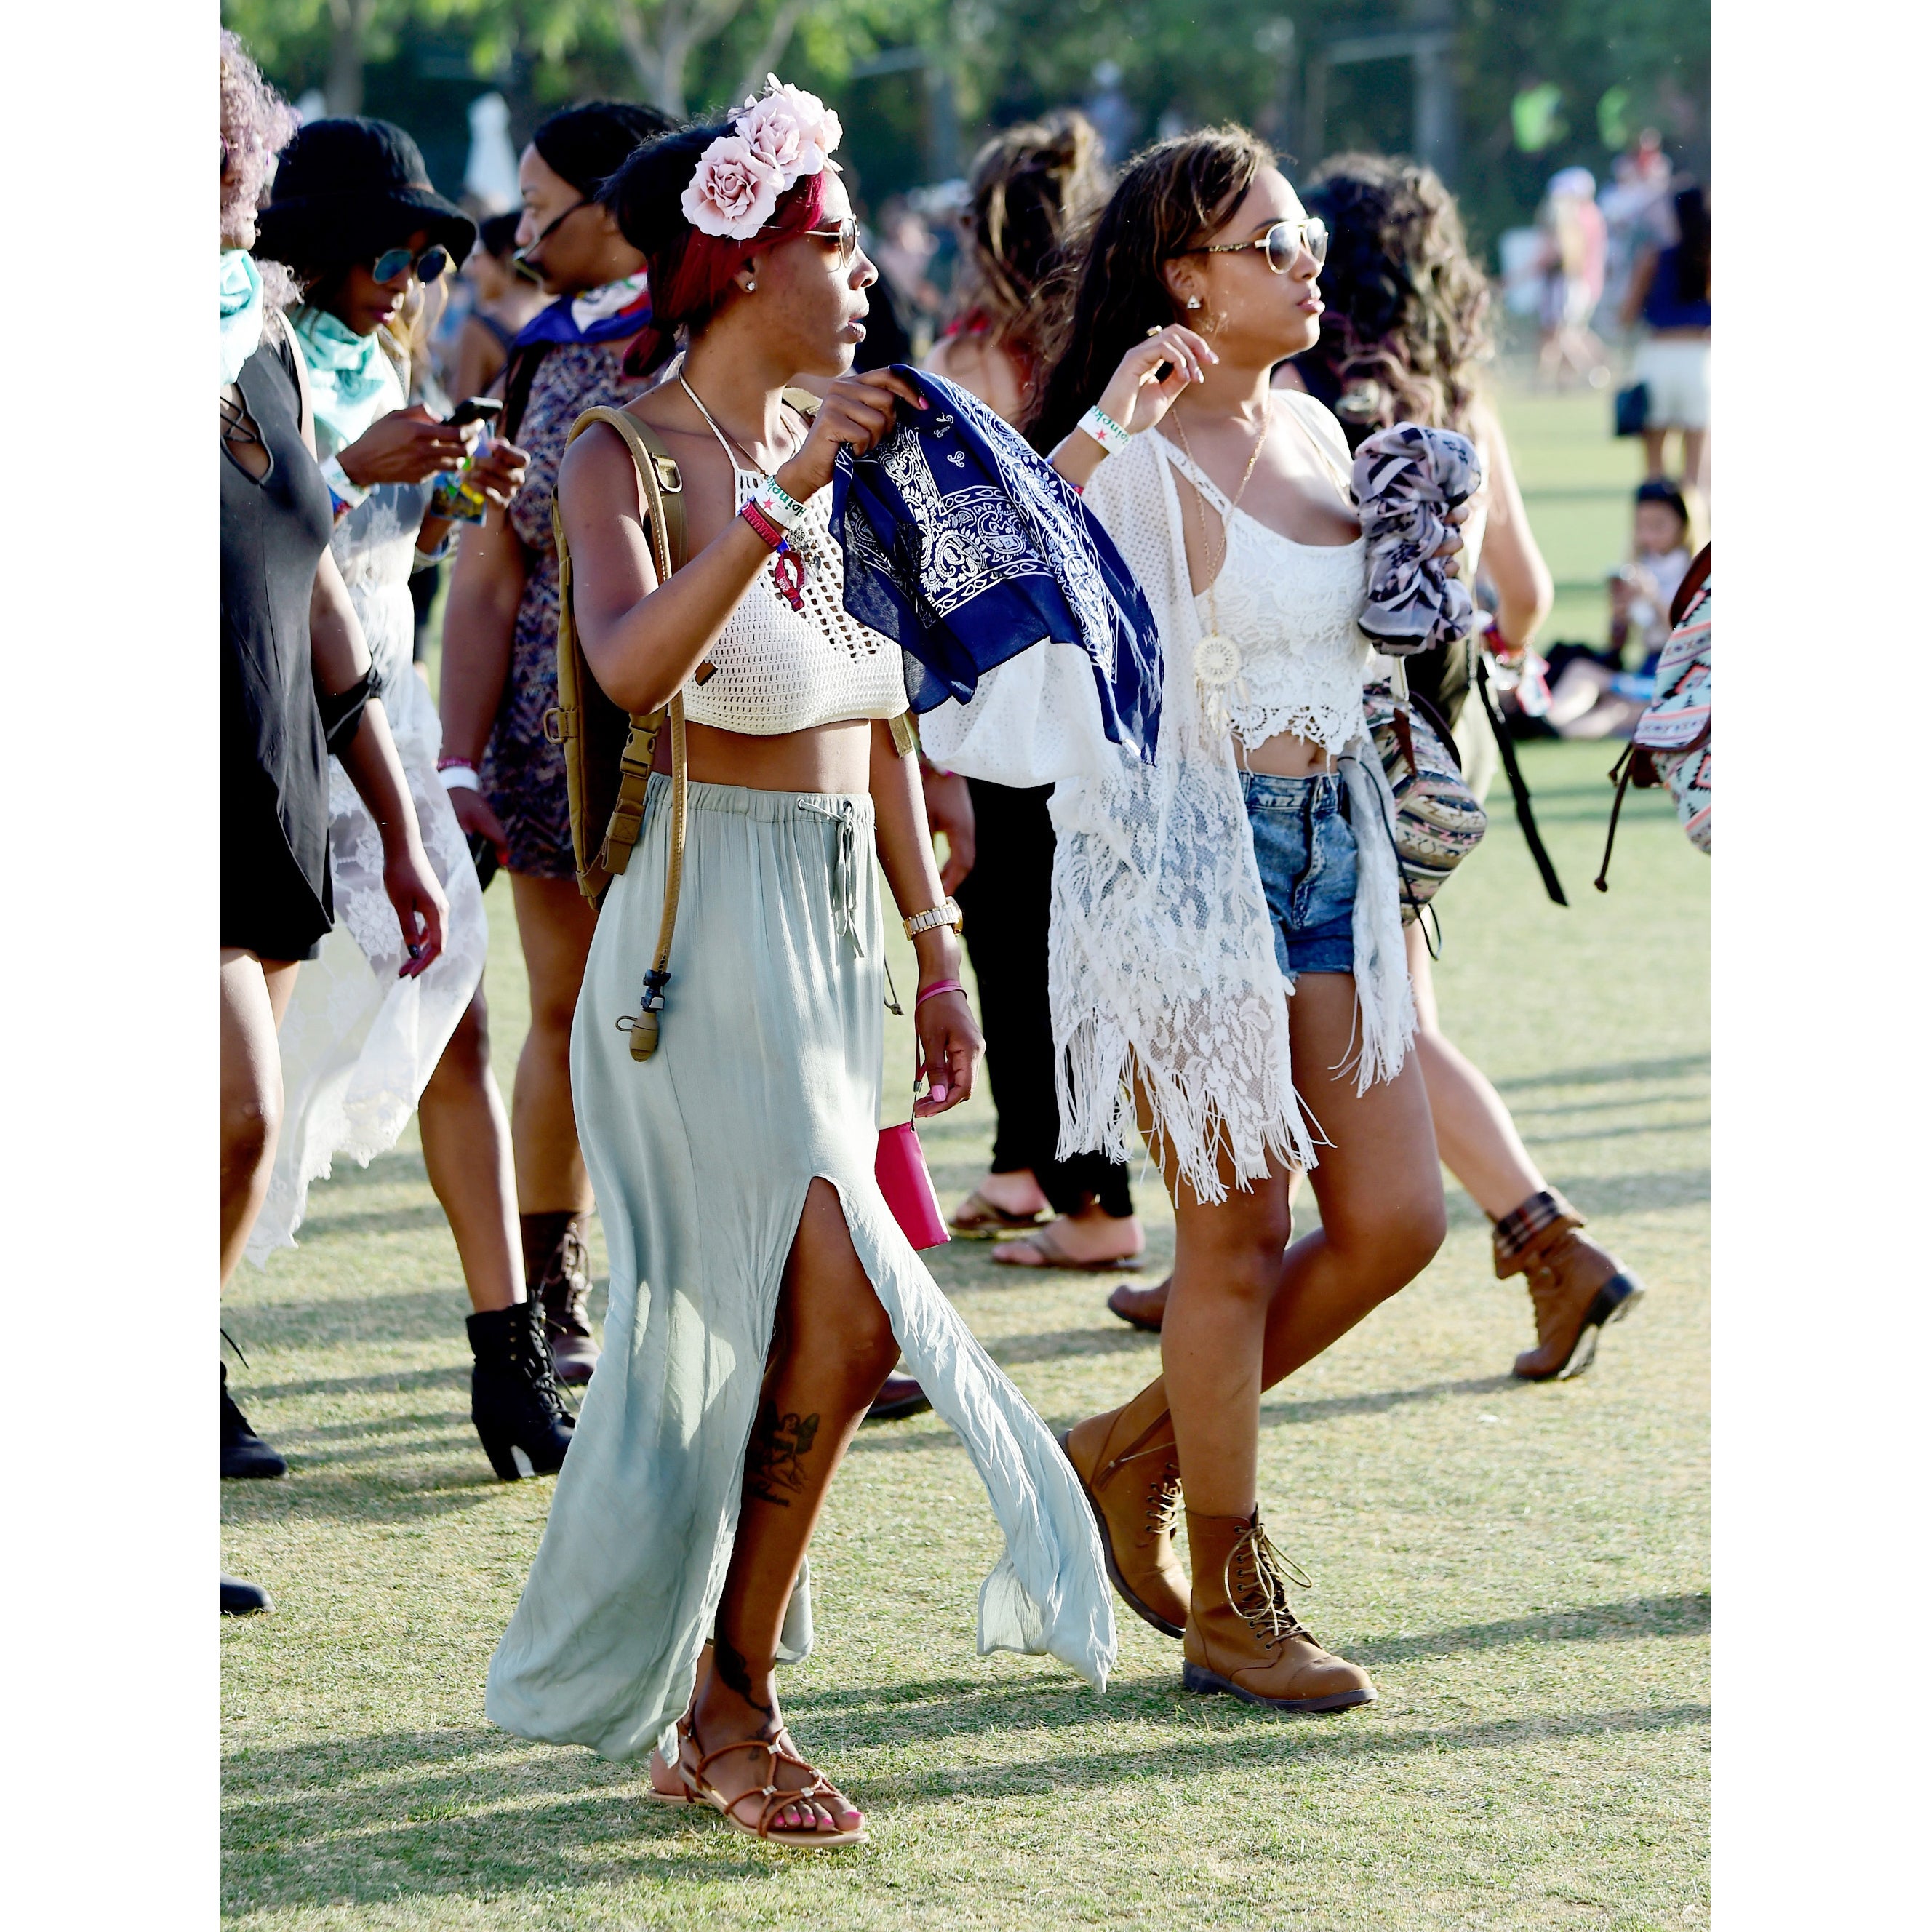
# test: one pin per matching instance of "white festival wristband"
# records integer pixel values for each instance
(1104, 431)
(458, 778)
(338, 479)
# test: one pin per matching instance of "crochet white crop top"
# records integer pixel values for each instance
(776, 669)
(1290, 656)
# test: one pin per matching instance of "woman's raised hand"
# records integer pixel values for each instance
(1139, 396)
(405, 446)
(858, 411)
(499, 473)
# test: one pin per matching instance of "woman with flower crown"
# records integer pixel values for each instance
(761, 1290)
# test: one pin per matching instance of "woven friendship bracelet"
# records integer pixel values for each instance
(777, 503)
(769, 533)
(1105, 430)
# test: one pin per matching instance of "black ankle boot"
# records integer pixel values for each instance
(513, 1398)
(243, 1452)
(556, 1265)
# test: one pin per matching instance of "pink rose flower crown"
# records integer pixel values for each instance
(774, 141)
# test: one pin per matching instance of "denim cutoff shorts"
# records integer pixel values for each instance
(1306, 847)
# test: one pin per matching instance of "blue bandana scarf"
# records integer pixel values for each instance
(240, 311)
(351, 382)
(612, 313)
(966, 547)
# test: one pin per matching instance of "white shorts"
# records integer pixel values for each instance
(1678, 372)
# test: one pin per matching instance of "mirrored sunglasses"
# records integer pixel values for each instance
(428, 265)
(1282, 244)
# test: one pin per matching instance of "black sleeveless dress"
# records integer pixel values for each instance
(275, 896)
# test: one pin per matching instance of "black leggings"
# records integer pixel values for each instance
(1007, 900)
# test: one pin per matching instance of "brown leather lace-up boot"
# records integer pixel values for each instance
(1127, 1465)
(557, 1264)
(1242, 1636)
(1575, 1287)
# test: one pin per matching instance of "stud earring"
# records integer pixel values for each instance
(750, 286)
(1193, 301)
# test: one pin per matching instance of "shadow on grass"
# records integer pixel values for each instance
(436, 1812)
(1687, 1614)
(1326, 1407)
(1605, 1072)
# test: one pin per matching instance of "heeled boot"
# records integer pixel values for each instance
(557, 1264)
(1575, 1287)
(1127, 1464)
(1241, 1637)
(513, 1398)
(244, 1454)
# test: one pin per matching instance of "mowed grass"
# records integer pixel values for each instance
(1525, 1569)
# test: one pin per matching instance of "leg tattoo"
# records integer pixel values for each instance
(773, 1471)
(728, 1661)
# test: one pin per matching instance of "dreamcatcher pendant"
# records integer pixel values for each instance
(1216, 669)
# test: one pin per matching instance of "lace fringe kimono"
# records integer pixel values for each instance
(1161, 956)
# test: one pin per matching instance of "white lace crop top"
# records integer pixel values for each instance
(776, 669)
(1280, 650)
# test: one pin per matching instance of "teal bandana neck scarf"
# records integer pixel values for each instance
(351, 381)
(240, 311)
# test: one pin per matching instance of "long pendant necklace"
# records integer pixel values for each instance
(797, 561)
(1217, 659)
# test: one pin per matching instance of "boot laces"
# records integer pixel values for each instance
(530, 1350)
(1257, 1576)
(1164, 1501)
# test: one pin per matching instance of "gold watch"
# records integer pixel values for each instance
(947, 914)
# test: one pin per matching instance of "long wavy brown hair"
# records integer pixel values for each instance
(1170, 197)
(1406, 326)
(1029, 187)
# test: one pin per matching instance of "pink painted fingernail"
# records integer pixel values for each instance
(939, 1093)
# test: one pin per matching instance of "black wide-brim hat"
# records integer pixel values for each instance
(346, 189)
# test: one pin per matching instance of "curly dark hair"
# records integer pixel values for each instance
(1171, 195)
(1030, 187)
(1407, 311)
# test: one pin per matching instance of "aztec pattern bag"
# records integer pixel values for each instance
(1438, 820)
(1670, 745)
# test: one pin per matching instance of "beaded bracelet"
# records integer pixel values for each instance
(770, 534)
(933, 991)
(1105, 430)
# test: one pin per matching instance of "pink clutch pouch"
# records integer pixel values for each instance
(906, 1185)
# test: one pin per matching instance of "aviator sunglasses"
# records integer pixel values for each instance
(1283, 243)
(428, 265)
(844, 233)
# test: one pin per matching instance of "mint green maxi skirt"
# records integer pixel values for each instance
(767, 1077)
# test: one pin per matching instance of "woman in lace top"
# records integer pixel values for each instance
(760, 1289)
(1228, 961)
(362, 1049)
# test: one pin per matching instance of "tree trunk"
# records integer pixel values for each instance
(349, 20)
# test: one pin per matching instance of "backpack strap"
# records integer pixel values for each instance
(663, 486)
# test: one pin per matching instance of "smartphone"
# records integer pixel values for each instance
(455, 497)
(478, 409)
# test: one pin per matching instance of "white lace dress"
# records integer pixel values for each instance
(359, 1044)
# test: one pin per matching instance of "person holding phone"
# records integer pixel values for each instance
(499, 665)
(355, 220)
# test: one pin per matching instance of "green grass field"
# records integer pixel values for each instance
(1525, 1569)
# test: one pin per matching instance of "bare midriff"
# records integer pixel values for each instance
(1284, 756)
(826, 758)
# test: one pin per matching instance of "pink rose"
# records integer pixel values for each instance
(793, 131)
(734, 191)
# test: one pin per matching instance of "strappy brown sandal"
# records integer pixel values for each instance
(772, 1800)
(683, 1795)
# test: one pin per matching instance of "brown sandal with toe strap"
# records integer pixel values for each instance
(775, 1799)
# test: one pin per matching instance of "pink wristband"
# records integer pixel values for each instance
(932, 991)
